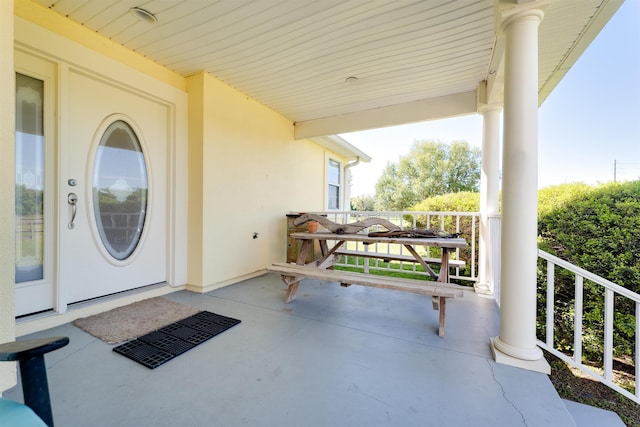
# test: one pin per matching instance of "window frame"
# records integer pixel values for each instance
(329, 184)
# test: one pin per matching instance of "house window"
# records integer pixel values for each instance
(30, 185)
(333, 180)
(120, 190)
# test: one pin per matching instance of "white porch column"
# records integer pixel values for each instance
(489, 187)
(516, 344)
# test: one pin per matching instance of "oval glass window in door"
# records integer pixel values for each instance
(120, 190)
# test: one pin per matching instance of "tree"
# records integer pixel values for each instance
(365, 202)
(29, 202)
(393, 192)
(431, 168)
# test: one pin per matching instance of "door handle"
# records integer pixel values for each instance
(72, 200)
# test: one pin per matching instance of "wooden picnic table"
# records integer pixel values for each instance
(409, 243)
(331, 243)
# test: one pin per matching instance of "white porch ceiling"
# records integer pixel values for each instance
(413, 60)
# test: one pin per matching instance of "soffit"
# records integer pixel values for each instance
(296, 56)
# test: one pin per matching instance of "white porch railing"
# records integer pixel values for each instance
(611, 292)
(452, 222)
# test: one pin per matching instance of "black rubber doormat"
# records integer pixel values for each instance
(158, 347)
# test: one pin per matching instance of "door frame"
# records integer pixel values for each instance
(172, 224)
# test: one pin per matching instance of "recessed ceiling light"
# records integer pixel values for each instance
(143, 15)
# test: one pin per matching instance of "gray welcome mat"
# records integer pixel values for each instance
(133, 320)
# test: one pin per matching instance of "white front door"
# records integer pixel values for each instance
(112, 198)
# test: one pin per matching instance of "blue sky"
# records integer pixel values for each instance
(590, 120)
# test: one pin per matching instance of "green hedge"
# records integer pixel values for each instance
(598, 229)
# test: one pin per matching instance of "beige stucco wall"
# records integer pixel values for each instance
(7, 187)
(249, 172)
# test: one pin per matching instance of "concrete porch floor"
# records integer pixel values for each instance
(334, 357)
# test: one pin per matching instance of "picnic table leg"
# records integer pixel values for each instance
(443, 306)
(444, 270)
(443, 276)
(422, 262)
(324, 248)
(292, 287)
(304, 251)
(329, 258)
(294, 282)
(292, 290)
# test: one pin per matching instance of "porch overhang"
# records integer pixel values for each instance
(427, 109)
(335, 67)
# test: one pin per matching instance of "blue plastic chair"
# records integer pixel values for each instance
(36, 410)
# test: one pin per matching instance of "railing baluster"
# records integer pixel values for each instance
(473, 258)
(457, 251)
(608, 334)
(577, 321)
(550, 302)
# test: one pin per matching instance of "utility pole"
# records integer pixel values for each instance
(614, 170)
